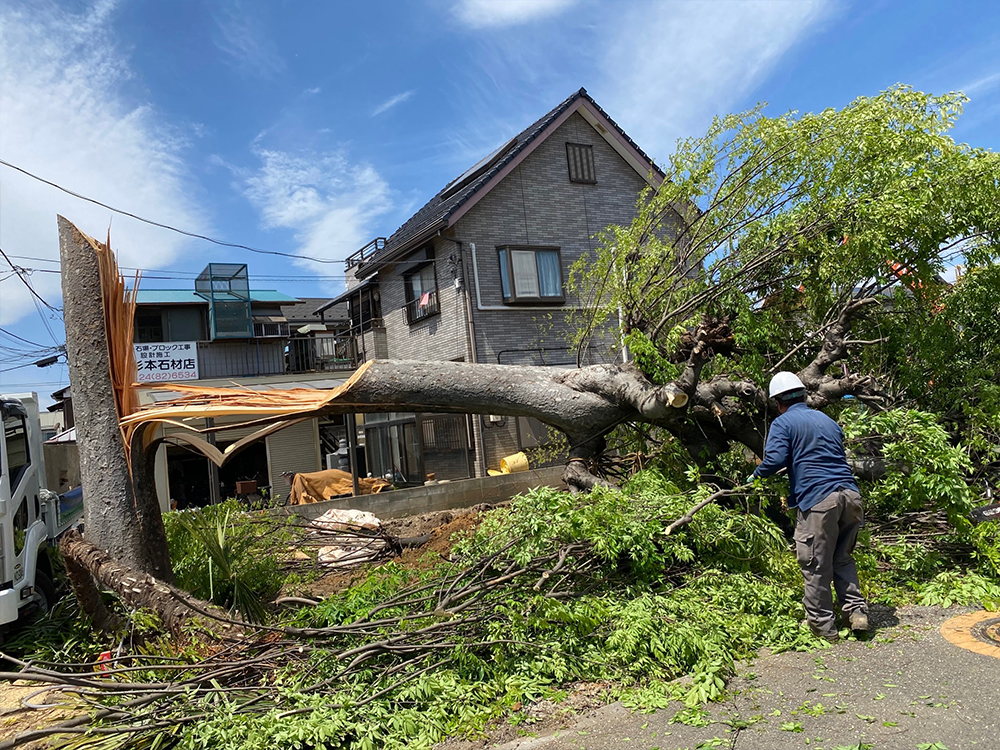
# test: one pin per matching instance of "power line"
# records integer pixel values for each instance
(186, 233)
(18, 270)
(5, 332)
(18, 367)
(153, 277)
(179, 275)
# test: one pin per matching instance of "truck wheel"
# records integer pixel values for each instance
(45, 592)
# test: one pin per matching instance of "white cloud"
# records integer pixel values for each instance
(313, 91)
(392, 102)
(245, 41)
(989, 83)
(487, 14)
(328, 202)
(671, 66)
(65, 116)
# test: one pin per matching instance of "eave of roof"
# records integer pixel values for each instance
(440, 212)
(344, 296)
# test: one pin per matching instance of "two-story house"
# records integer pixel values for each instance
(479, 273)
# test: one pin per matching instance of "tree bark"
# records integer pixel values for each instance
(114, 518)
(175, 608)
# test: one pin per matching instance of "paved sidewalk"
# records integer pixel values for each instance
(904, 689)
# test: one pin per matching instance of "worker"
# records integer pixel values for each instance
(828, 509)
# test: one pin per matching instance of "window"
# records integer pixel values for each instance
(421, 294)
(532, 433)
(18, 456)
(148, 326)
(530, 274)
(581, 163)
(20, 525)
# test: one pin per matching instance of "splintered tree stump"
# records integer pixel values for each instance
(91, 570)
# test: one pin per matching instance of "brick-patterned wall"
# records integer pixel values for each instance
(535, 204)
(538, 205)
(441, 336)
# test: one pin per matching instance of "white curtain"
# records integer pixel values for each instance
(525, 273)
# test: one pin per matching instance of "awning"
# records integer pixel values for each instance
(352, 292)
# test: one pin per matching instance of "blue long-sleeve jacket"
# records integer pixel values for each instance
(811, 445)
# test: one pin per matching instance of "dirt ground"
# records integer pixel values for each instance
(16, 718)
(441, 525)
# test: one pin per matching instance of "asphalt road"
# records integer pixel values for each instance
(906, 688)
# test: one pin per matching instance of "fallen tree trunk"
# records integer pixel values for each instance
(88, 565)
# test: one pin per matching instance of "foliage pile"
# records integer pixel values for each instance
(551, 590)
(548, 591)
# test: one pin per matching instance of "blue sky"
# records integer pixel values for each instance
(310, 127)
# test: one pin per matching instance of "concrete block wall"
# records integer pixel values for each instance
(459, 494)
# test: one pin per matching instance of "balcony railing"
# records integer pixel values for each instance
(322, 354)
(365, 253)
(423, 307)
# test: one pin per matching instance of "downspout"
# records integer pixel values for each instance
(470, 336)
(626, 354)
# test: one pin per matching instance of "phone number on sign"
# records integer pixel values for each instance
(168, 377)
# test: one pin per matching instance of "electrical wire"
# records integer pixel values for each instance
(184, 232)
(178, 274)
(5, 332)
(19, 271)
(17, 367)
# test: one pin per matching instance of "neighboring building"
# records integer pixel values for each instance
(222, 333)
(479, 273)
(62, 407)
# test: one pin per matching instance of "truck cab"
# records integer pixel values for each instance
(30, 516)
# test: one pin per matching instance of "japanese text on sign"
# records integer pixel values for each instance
(166, 362)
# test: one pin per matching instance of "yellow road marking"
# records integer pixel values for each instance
(958, 630)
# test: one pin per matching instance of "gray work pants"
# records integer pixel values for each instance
(825, 536)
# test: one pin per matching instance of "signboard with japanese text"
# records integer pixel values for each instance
(167, 361)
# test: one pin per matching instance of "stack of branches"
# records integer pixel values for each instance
(502, 600)
(424, 627)
(930, 529)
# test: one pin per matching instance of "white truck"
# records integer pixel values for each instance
(31, 517)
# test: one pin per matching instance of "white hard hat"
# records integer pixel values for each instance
(784, 382)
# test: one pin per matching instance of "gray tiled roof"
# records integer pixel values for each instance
(437, 210)
(304, 310)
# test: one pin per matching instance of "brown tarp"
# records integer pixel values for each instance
(316, 486)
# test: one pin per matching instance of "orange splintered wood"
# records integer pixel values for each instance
(269, 410)
(119, 316)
